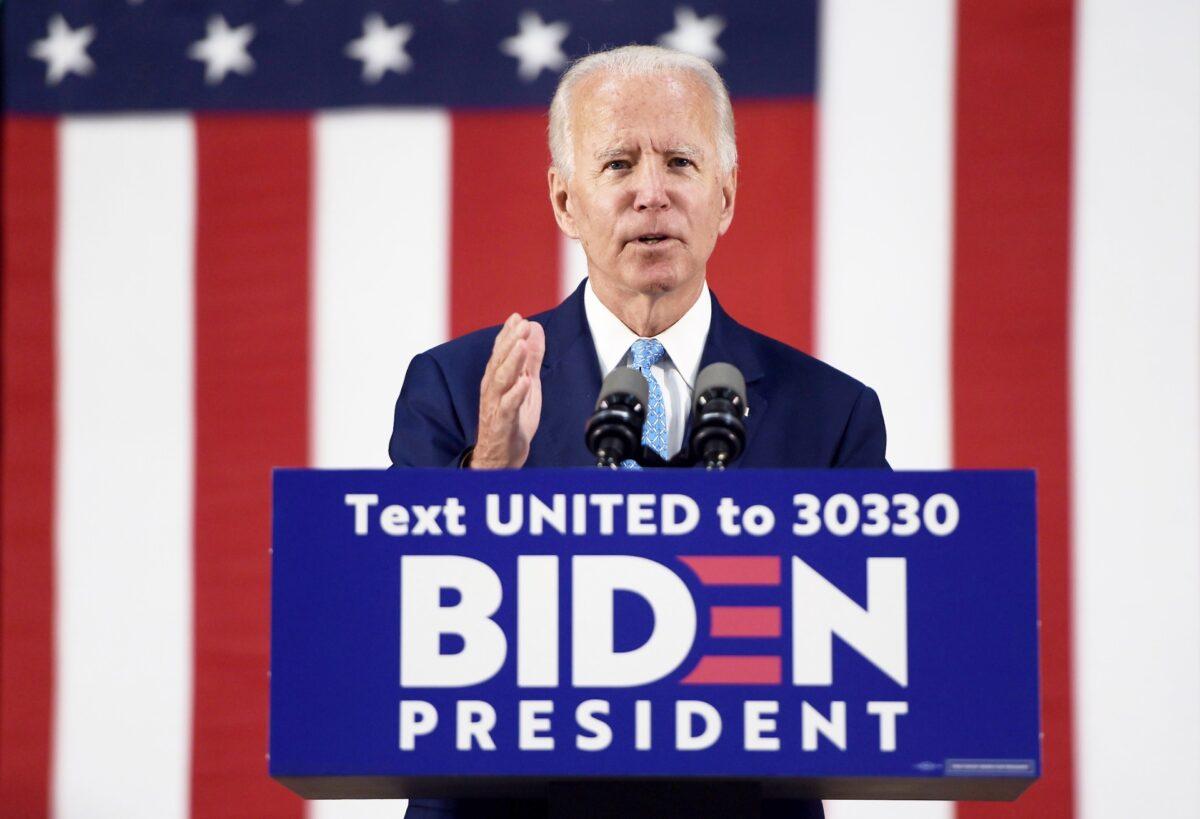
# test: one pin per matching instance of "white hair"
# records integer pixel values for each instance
(639, 61)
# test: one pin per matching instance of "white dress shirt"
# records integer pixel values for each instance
(677, 370)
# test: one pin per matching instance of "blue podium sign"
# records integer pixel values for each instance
(818, 633)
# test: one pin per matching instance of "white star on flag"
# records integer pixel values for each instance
(64, 50)
(223, 50)
(381, 48)
(695, 35)
(538, 46)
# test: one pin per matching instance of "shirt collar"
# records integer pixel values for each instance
(683, 340)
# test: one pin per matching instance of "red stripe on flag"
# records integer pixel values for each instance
(503, 240)
(762, 269)
(749, 670)
(252, 269)
(27, 466)
(1010, 331)
(725, 570)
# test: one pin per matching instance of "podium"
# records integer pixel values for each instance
(538, 633)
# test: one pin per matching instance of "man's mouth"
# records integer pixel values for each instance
(652, 238)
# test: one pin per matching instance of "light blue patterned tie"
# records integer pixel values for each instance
(647, 352)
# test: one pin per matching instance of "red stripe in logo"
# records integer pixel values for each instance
(724, 670)
(726, 570)
(746, 621)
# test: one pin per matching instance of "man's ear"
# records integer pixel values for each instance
(560, 202)
(728, 195)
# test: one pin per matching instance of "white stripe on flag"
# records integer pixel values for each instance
(381, 194)
(1136, 366)
(123, 557)
(572, 265)
(884, 213)
(883, 235)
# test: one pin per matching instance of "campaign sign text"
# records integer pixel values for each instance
(823, 632)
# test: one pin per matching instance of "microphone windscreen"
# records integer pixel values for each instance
(627, 381)
(721, 377)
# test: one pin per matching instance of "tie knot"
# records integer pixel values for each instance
(646, 352)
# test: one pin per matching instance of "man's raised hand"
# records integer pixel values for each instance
(510, 396)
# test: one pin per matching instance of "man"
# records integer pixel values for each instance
(644, 174)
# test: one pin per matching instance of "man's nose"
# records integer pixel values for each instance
(651, 187)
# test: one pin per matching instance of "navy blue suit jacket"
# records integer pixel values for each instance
(803, 413)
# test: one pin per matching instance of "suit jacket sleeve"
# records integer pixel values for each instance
(864, 441)
(427, 430)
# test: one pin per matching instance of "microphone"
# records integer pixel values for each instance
(718, 433)
(614, 432)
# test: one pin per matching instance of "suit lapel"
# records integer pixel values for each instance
(570, 382)
(730, 342)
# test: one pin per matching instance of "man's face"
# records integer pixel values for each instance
(647, 197)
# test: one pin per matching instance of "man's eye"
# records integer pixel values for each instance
(617, 165)
(681, 162)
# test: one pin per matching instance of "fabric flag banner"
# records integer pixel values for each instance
(228, 226)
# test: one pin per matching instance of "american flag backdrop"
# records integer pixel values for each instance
(229, 224)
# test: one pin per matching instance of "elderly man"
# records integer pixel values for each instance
(644, 175)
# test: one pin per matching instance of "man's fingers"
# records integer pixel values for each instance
(523, 357)
(501, 338)
(537, 348)
(514, 330)
(503, 342)
(513, 367)
(512, 319)
(510, 402)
